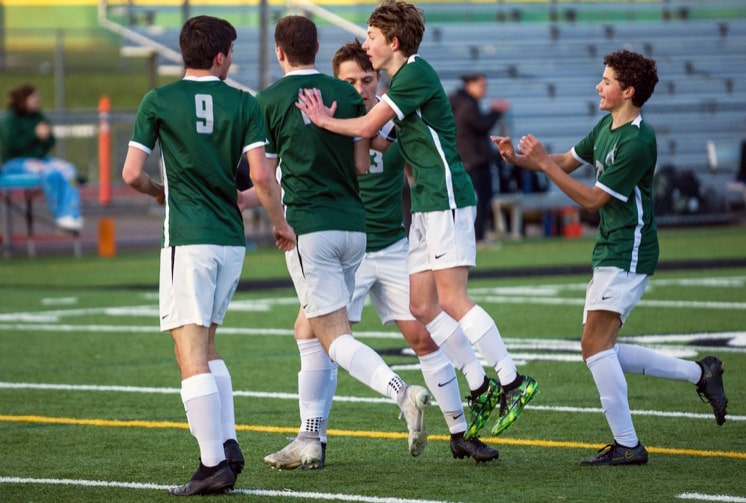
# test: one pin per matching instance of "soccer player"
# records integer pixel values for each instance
(383, 275)
(320, 191)
(622, 149)
(203, 126)
(442, 245)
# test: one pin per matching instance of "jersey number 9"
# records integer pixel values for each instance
(203, 110)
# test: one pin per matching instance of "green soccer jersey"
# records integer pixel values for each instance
(381, 192)
(203, 126)
(624, 161)
(319, 182)
(426, 132)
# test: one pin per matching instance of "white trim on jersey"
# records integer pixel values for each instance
(638, 231)
(140, 146)
(612, 193)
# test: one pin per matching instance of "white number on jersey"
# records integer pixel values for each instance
(203, 109)
(376, 162)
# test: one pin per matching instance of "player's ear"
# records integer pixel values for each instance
(628, 92)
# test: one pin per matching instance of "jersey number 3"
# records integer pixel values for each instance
(203, 110)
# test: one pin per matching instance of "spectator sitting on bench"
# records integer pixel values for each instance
(27, 141)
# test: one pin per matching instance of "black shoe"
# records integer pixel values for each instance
(615, 454)
(320, 464)
(472, 448)
(234, 455)
(208, 480)
(710, 386)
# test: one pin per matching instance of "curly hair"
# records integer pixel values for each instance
(635, 70)
(400, 20)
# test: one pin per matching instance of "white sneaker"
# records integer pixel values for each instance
(305, 453)
(415, 399)
(69, 223)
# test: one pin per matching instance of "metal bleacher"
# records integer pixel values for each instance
(548, 70)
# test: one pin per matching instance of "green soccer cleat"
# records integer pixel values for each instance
(482, 406)
(513, 401)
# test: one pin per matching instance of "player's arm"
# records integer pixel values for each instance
(362, 156)
(366, 126)
(248, 199)
(268, 192)
(134, 175)
(535, 156)
(567, 162)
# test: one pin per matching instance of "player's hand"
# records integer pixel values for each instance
(310, 103)
(160, 195)
(532, 148)
(285, 238)
(504, 147)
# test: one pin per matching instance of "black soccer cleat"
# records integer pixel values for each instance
(472, 448)
(710, 386)
(234, 455)
(615, 454)
(208, 480)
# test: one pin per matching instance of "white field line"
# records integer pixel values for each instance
(712, 497)
(251, 492)
(337, 398)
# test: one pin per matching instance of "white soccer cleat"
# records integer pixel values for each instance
(300, 452)
(415, 399)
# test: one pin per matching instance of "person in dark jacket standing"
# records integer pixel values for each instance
(473, 142)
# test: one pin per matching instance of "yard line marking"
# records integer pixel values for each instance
(711, 497)
(137, 423)
(566, 301)
(733, 339)
(337, 398)
(251, 492)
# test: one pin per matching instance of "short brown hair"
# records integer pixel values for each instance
(298, 38)
(400, 20)
(202, 38)
(352, 51)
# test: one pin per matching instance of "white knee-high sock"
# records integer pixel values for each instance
(481, 330)
(201, 400)
(225, 388)
(640, 360)
(440, 377)
(331, 389)
(365, 365)
(612, 389)
(313, 380)
(450, 338)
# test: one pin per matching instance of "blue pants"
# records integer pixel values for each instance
(57, 177)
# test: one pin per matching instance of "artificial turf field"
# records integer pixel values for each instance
(90, 407)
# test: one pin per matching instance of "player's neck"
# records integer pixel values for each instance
(194, 72)
(287, 67)
(624, 115)
(394, 63)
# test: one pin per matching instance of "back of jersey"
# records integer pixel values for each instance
(203, 126)
(319, 182)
